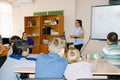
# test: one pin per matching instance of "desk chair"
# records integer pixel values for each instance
(67, 43)
(5, 41)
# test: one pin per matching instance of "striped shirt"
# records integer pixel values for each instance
(111, 53)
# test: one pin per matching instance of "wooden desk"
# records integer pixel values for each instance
(104, 68)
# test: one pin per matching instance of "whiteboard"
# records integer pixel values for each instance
(105, 19)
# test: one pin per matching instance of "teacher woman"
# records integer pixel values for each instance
(78, 34)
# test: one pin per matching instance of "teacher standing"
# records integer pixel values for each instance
(78, 34)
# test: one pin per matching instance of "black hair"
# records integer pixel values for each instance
(14, 38)
(19, 46)
(80, 22)
(112, 37)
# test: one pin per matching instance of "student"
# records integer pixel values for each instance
(1, 46)
(111, 52)
(12, 40)
(29, 40)
(52, 65)
(16, 60)
(3, 52)
(77, 69)
(78, 34)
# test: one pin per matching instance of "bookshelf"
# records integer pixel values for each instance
(52, 26)
(43, 28)
(33, 28)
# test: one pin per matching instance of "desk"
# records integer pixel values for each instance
(104, 68)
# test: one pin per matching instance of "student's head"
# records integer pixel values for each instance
(20, 47)
(24, 35)
(73, 55)
(78, 23)
(13, 39)
(57, 45)
(112, 37)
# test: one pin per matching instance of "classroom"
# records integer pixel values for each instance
(43, 20)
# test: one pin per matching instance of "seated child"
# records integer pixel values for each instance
(52, 65)
(77, 69)
(16, 60)
(12, 40)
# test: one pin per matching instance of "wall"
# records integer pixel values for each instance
(19, 11)
(84, 12)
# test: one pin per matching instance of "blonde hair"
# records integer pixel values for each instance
(73, 55)
(56, 44)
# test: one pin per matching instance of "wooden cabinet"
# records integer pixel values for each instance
(44, 48)
(43, 28)
(33, 28)
(52, 26)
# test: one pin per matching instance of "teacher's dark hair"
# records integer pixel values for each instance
(80, 22)
(112, 37)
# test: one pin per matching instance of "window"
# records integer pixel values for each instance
(5, 19)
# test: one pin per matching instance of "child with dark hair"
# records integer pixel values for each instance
(16, 60)
(12, 40)
(111, 52)
(29, 40)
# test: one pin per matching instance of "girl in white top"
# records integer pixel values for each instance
(77, 69)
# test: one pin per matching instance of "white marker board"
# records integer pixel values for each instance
(105, 19)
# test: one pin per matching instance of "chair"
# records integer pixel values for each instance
(67, 43)
(5, 41)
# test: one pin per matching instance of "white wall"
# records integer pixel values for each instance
(84, 12)
(19, 11)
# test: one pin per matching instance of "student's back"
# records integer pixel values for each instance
(52, 65)
(16, 60)
(7, 71)
(111, 52)
(77, 69)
